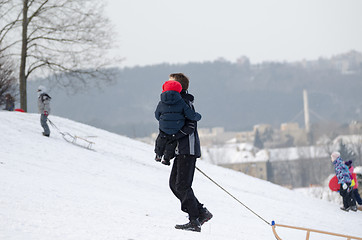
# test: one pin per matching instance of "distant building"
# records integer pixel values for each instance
(214, 136)
(291, 167)
(255, 169)
(245, 137)
(289, 134)
(289, 127)
(263, 128)
(347, 63)
(355, 127)
(298, 135)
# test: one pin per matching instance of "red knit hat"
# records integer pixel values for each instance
(171, 85)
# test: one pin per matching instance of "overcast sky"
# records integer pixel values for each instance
(180, 31)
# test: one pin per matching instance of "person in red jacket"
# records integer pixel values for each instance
(356, 195)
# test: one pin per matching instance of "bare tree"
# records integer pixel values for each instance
(351, 148)
(8, 83)
(69, 39)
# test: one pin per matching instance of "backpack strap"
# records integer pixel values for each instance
(44, 95)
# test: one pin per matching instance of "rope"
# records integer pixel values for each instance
(72, 139)
(51, 123)
(233, 197)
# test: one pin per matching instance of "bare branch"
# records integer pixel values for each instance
(7, 79)
(9, 46)
(37, 11)
(10, 24)
(69, 39)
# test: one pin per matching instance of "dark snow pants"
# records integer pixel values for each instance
(347, 195)
(165, 147)
(357, 197)
(43, 123)
(181, 178)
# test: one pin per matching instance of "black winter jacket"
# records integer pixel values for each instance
(188, 137)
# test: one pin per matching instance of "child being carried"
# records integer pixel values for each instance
(171, 113)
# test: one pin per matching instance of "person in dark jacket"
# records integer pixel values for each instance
(171, 112)
(183, 169)
(9, 102)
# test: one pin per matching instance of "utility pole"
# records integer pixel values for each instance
(306, 116)
(306, 111)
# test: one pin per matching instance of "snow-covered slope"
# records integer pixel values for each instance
(52, 189)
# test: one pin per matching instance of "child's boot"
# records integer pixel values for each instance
(158, 158)
(166, 161)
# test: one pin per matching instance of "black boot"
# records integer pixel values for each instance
(205, 216)
(354, 208)
(193, 225)
(166, 162)
(345, 208)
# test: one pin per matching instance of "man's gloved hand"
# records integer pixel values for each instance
(344, 186)
(46, 113)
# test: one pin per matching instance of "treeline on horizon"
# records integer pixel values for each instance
(231, 95)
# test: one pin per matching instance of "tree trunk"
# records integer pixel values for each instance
(22, 76)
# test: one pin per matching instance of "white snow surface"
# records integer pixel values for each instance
(52, 189)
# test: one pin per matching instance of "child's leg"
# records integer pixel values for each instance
(357, 196)
(160, 144)
(169, 152)
(350, 198)
(345, 196)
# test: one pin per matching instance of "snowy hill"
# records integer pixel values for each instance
(52, 189)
